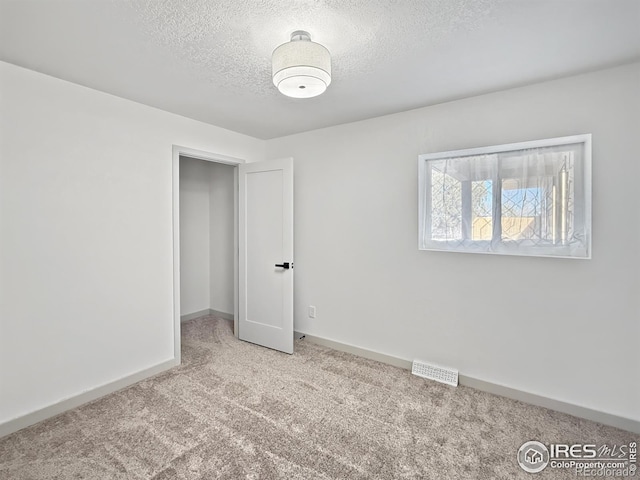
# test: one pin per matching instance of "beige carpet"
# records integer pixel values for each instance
(235, 410)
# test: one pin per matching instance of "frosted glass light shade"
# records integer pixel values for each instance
(301, 68)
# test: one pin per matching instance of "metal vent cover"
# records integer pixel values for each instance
(435, 372)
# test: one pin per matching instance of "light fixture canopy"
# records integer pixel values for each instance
(301, 68)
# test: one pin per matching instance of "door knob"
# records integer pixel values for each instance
(284, 265)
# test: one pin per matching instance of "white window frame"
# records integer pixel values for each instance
(425, 241)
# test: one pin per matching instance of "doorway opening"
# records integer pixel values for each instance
(205, 237)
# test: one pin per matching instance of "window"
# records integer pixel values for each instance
(531, 198)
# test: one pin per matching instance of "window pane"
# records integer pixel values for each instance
(482, 210)
(521, 211)
(446, 206)
(536, 197)
(531, 198)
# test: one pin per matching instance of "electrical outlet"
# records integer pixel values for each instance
(312, 311)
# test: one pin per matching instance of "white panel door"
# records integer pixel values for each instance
(265, 260)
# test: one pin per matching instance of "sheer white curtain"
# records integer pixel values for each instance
(524, 202)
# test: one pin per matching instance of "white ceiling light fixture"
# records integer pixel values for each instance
(301, 68)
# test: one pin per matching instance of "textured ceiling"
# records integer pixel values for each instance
(210, 60)
(228, 44)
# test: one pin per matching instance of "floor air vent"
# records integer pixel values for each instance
(434, 372)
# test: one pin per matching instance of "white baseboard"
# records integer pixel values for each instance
(361, 352)
(202, 313)
(191, 316)
(67, 404)
(501, 390)
(217, 313)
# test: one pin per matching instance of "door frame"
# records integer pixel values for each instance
(179, 151)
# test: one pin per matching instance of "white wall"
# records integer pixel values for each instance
(206, 236)
(195, 184)
(563, 329)
(86, 235)
(221, 237)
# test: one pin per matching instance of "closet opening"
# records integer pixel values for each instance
(205, 231)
